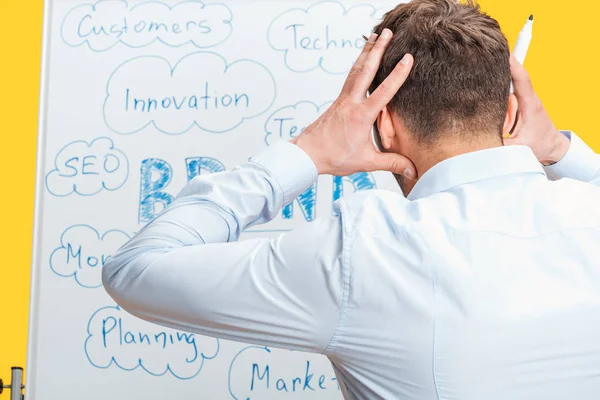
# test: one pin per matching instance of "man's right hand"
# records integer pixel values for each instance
(534, 127)
(340, 142)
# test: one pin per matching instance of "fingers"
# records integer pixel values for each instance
(354, 72)
(522, 82)
(365, 72)
(391, 85)
(394, 163)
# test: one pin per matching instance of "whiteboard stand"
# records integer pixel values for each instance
(16, 384)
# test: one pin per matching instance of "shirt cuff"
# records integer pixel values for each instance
(291, 167)
(580, 163)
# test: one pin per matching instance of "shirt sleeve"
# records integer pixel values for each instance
(580, 163)
(186, 270)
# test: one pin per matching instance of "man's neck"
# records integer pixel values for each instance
(426, 157)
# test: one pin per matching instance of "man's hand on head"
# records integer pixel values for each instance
(534, 127)
(340, 141)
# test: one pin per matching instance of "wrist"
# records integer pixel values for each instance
(290, 167)
(560, 147)
(305, 144)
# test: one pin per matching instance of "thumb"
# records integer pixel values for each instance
(396, 164)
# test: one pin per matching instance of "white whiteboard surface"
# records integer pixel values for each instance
(138, 97)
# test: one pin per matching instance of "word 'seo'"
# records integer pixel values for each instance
(261, 372)
(107, 23)
(83, 252)
(87, 169)
(118, 340)
(202, 90)
(309, 41)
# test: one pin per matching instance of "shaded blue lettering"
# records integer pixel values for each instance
(307, 202)
(196, 165)
(151, 193)
(361, 181)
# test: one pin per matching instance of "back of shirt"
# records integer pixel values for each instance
(483, 284)
(487, 290)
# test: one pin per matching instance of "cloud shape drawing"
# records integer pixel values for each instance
(326, 35)
(104, 24)
(288, 122)
(83, 252)
(117, 339)
(87, 168)
(201, 90)
(258, 372)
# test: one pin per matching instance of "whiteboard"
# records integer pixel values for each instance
(137, 98)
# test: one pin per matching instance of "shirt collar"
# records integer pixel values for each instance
(476, 166)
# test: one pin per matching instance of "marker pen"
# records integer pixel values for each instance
(523, 42)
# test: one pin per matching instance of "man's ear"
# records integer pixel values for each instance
(385, 126)
(511, 115)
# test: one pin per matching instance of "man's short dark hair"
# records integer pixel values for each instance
(460, 81)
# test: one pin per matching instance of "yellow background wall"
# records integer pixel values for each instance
(562, 61)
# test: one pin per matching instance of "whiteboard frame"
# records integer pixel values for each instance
(33, 334)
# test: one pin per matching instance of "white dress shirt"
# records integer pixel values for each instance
(483, 285)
